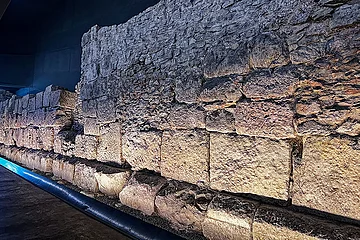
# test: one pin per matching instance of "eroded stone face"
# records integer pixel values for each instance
(84, 177)
(142, 150)
(276, 223)
(184, 205)
(185, 155)
(327, 177)
(264, 119)
(109, 149)
(140, 192)
(243, 164)
(229, 218)
(86, 146)
(111, 184)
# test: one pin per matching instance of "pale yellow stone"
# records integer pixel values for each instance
(141, 191)
(218, 230)
(109, 149)
(266, 231)
(327, 179)
(111, 184)
(142, 150)
(86, 146)
(84, 177)
(244, 164)
(185, 156)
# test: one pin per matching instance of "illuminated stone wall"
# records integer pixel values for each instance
(257, 98)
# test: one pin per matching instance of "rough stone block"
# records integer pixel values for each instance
(187, 86)
(221, 62)
(264, 119)
(39, 100)
(185, 117)
(46, 162)
(346, 15)
(47, 94)
(88, 108)
(184, 205)
(222, 120)
(141, 191)
(84, 177)
(244, 164)
(225, 89)
(64, 169)
(266, 85)
(268, 50)
(327, 178)
(185, 156)
(32, 103)
(58, 118)
(105, 111)
(91, 127)
(111, 184)
(45, 139)
(229, 217)
(276, 223)
(86, 146)
(109, 149)
(142, 150)
(62, 98)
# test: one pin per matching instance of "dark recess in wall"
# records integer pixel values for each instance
(40, 39)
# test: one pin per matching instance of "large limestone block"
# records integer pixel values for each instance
(185, 156)
(111, 184)
(225, 89)
(142, 150)
(57, 118)
(63, 99)
(229, 217)
(222, 120)
(185, 117)
(64, 142)
(39, 100)
(91, 127)
(327, 178)
(271, 223)
(86, 146)
(45, 139)
(267, 85)
(244, 164)
(46, 162)
(64, 168)
(183, 204)
(109, 149)
(141, 191)
(264, 119)
(84, 177)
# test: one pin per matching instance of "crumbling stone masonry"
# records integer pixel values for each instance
(213, 115)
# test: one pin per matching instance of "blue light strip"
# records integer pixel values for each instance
(129, 225)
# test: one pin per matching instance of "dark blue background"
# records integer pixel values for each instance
(40, 39)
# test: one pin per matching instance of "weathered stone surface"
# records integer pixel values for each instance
(185, 156)
(142, 150)
(185, 117)
(247, 165)
(226, 89)
(39, 100)
(184, 205)
(63, 169)
(308, 109)
(91, 127)
(221, 121)
(140, 192)
(86, 146)
(111, 184)
(84, 177)
(62, 98)
(64, 142)
(346, 15)
(46, 163)
(276, 223)
(187, 87)
(351, 128)
(229, 217)
(268, 51)
(105, 111)
(264, 119)
(327, 177)
(268, 85)
(109, 149)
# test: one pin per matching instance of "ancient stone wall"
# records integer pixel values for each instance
(193, 98)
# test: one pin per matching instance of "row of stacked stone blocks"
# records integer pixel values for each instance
(186, 206)
(32, 121)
